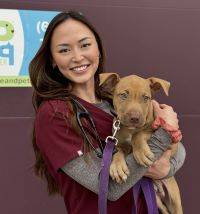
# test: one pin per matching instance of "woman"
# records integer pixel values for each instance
(67, 66)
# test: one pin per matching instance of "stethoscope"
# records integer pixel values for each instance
(81, 112)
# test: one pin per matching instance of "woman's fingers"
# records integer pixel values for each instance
(161, 167)
(166, 112)
(161, 106)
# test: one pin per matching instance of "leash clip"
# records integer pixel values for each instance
(116, 127)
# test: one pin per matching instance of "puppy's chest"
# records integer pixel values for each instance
(125, 135)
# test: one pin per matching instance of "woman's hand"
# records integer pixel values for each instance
(160, 167)
(166, 113)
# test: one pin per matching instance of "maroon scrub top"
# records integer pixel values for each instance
(59, 144)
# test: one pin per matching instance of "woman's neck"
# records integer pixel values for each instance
(86, 93)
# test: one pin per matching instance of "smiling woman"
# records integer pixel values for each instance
(65, 71)
(76, 55)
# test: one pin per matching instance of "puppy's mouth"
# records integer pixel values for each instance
(130, 126)
(131, 123)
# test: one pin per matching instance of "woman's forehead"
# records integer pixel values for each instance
(72, 30)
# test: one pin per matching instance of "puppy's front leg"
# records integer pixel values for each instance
(141, 150)
(118, 169)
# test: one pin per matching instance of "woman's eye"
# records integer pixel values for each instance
(85, 45)
(64, 50)
(146, 98)
(124, 95)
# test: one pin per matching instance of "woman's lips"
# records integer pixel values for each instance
(79, 69)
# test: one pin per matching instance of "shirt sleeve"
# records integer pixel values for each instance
(177, 161)
(55, 136)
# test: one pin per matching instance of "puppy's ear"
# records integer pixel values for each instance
(108, 82)
(106, 78)
(157, 84)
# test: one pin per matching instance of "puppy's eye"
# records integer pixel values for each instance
(124, 95)
(146, 98)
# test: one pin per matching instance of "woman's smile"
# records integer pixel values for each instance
(80, 69)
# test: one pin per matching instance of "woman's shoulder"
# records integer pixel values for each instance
(52, 107)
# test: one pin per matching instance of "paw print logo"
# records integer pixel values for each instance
(6, 30)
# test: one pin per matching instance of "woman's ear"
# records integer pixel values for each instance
(53, 62)
(108, 82)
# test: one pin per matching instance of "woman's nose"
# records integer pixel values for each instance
(77, 55)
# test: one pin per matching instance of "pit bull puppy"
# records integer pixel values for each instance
(131, 97)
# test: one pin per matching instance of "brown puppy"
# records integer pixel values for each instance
(132, 103)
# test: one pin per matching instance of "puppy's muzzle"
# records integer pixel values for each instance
(132, 119)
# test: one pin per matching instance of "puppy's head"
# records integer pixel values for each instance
(132, 98)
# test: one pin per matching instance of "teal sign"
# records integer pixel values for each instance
(21, 34)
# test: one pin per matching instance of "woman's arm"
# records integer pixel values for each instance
(176, 162)
(166, 166)
(87, 174)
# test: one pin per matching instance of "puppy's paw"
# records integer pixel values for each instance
(119, 170)
(143, 156)
(159, 188)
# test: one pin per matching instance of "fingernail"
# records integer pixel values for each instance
(124, 178)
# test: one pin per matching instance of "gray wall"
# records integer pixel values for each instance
(149, 38)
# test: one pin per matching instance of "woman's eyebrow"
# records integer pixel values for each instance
(83, 39)
(63, 44)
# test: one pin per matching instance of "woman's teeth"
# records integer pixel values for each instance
(81, 68)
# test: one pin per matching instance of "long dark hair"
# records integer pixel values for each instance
(49, 83)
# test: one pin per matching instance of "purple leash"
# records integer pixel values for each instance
(146, 185)
(111, 142)
(104, 177)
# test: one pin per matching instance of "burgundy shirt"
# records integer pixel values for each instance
(59, 144)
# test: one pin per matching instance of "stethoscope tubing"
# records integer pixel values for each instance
(81, 112)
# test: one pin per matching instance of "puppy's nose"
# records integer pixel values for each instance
(134, 117)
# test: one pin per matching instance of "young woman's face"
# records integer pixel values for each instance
(75, 51)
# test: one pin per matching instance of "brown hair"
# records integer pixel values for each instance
(49, 83)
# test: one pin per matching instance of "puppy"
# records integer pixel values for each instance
(131, 97)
